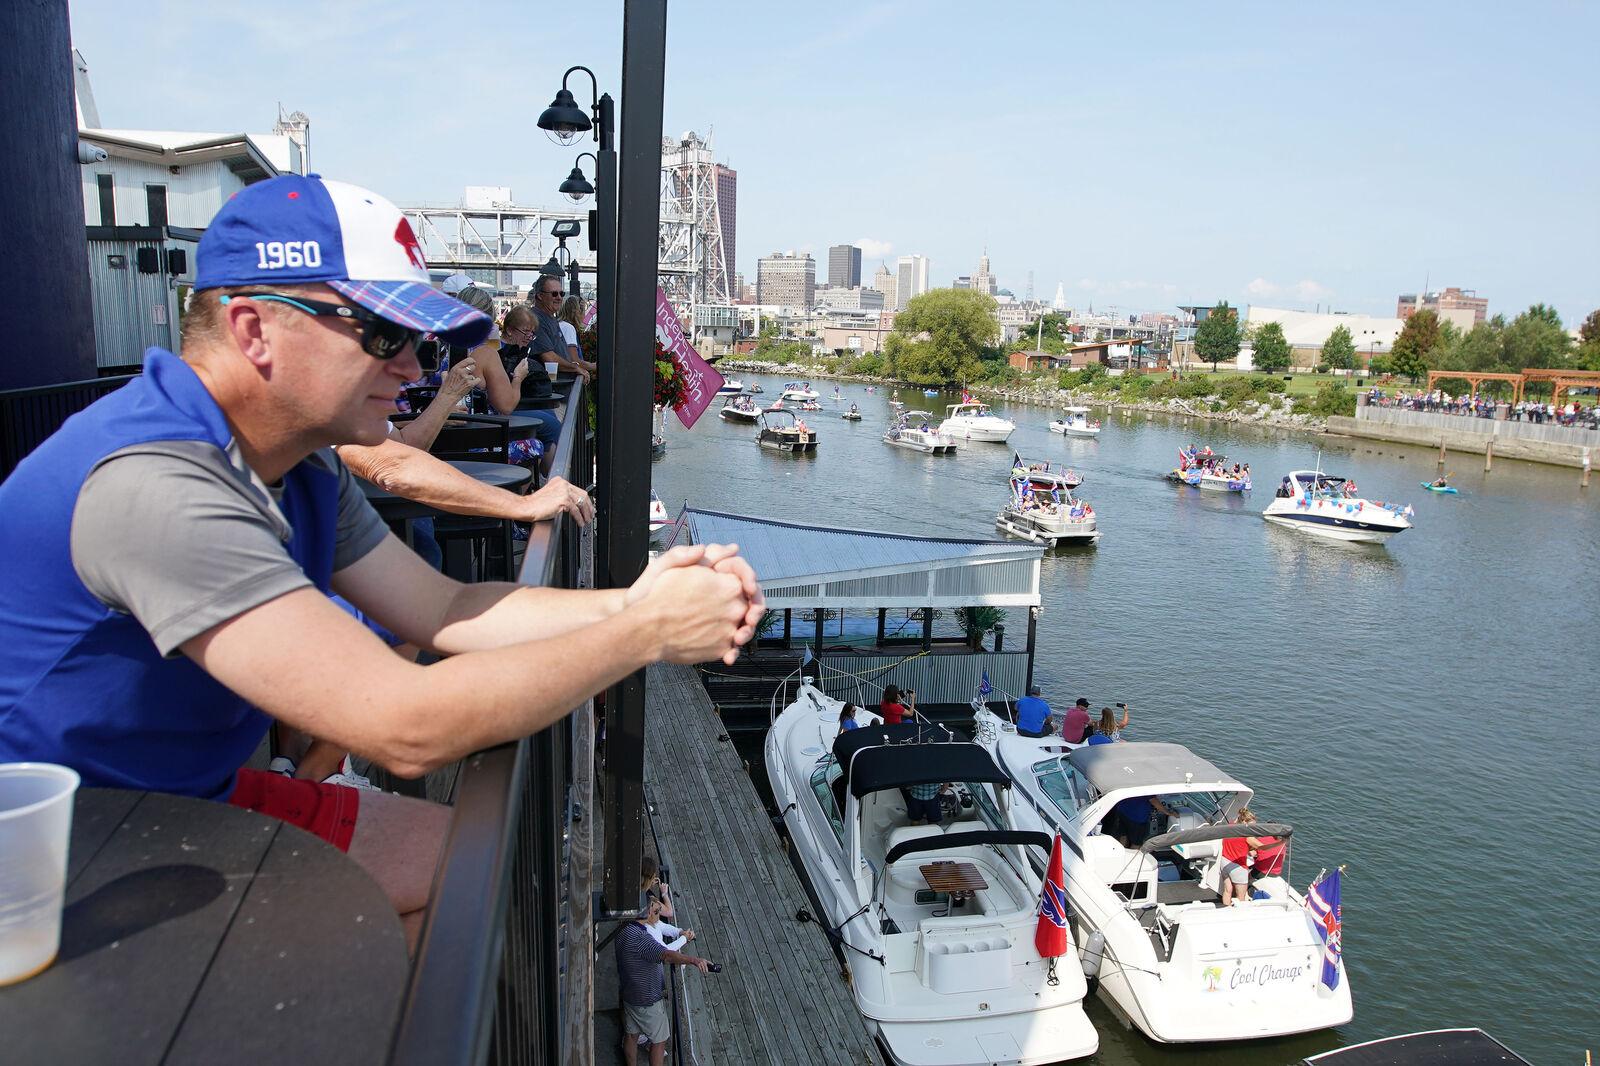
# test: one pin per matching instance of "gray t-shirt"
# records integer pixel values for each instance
(183, 536)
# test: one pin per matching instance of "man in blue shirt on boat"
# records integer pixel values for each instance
(1033, 714)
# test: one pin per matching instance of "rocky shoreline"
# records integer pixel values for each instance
(1252, 413)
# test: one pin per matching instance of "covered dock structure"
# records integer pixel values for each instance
(821, 569)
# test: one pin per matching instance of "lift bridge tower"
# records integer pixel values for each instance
(697, 224)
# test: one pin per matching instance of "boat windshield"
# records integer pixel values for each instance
(1064, 785)
(822, 781)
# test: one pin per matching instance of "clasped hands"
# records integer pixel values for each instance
(707, 601)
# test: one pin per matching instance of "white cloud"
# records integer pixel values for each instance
(1305, 291)
(1262, 287)
(872, 248)
(1311, 290)
(1088, 284)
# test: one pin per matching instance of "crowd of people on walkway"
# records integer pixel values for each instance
(203, 564)
(1437, 401)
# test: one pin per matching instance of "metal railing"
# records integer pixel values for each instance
(28, 416)
(487, 982)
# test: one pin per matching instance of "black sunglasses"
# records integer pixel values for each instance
(380, 337)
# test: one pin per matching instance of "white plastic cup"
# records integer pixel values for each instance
(35, 827)
(550, 370)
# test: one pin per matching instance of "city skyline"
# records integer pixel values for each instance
(1260, 161)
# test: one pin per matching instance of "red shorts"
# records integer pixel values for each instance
(328, 811)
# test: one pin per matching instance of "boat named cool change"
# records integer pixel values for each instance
(944, 978)
(1168, 957)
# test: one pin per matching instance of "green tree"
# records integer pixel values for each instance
(1272, 348)
(1535, 338)
(1380, 365)
(1217, 339)
(942, 335)
(1588, 354)
(1479, 349)
(1339, 350)
(1413, 350)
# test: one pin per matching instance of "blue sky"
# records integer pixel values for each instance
(1145, 155)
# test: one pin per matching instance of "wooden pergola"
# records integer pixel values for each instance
(1561, 380)
(1473, 378)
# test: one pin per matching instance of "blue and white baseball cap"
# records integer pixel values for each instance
(295, 230)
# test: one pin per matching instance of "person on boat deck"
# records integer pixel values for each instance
(1076, 722)
(1244, 856)
(922, 803)
(847, 718)
(1033, 714)
(893, 710)
(1109, 730)
(1129, 821)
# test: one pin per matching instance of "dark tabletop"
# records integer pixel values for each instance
(392, 508)
(196, 932)
(460, 434)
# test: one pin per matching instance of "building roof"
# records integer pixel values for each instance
(1306, 329)
(817, 566)
(253, 156)
(1140, 765)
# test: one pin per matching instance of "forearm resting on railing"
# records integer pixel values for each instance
(408, 472)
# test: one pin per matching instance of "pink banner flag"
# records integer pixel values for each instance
(700, 380)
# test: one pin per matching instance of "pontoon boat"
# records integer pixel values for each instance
(783, 431)
(1052, 517)
(1042, 476)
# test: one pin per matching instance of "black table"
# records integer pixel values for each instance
(196, 932)
(460, 435)
(392, 508)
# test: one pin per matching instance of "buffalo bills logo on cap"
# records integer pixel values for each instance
(408, 240)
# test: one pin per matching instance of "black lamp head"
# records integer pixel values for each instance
(576, 187)
(564, 120)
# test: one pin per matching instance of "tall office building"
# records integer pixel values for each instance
(786, 279)
(844, 266)
(911, 279)
(727, 180)
(886, 283)
(983, 281)
(1464, 307)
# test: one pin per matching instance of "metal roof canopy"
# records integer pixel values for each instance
(815, 566)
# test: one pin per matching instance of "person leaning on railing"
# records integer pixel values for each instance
(182, 537)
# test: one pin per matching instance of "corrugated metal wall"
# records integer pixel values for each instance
(132, 311)
(934, 678)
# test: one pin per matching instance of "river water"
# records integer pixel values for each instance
(1423, 712)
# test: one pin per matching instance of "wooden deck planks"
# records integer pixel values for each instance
(780, 998)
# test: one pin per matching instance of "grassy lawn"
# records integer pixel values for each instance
(1299, 385)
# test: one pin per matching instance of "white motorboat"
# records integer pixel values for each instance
(1325, 505)
(852, 415)
(974, 421)
(914, 430)
(1053, 517)
(943, 978)
(799, 390)
(659, 519)
(1042, 475)
(1206, 469)
(1147, 915)
(739, 408)
(1075, 424)
(781, 430)
(731, 388)
(755, 387)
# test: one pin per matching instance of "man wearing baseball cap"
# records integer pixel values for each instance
(181, 538)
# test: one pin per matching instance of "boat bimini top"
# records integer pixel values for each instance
(911, 754)
(975, 838)
(1137, 764)
(1162, 841)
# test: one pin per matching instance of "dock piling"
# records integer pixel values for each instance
(1488, 455)
(1441, 453)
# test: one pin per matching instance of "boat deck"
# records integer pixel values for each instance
(780, 997)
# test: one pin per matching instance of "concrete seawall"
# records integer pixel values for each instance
(1474, 436)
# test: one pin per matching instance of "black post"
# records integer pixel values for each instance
(788, 627)
(1033, 635)
(927, 628)
(999, 636)
(883, 617)
(45, 312)
(816, 639)
(632, 372)
(604, 236)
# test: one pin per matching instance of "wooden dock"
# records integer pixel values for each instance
(780, 997)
